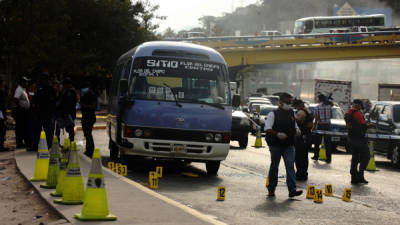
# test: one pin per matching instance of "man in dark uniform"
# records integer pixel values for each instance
(357, 127)
(281, 129)
(304, 118)
(3, 117)
(67, 106)
(45, 103)
(88, 104)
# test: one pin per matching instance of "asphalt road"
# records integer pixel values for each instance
(244, 175)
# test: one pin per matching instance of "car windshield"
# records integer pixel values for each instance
(396, 113)
(158, 78)
(265, 111)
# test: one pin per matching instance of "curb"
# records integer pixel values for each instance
(37, 191)
(99, 127)
(191, 211)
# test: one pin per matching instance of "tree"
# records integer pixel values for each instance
(71, 36)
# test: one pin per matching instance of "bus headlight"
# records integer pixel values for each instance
(138, 132)
(209, 137)
(218, 137)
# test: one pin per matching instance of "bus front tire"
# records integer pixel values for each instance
(212, 167)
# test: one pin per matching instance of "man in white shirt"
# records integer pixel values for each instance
(20, 113)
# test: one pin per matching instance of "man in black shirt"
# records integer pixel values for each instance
(67, 108)
(88, 106)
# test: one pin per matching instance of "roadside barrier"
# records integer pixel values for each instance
(95, 206)
(73, 190)
(371, 164)
(63, 167)
(322, 151)
(368, 135)
(42, 160)
(54, 166)
(258, 143)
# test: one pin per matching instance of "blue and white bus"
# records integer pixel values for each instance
(327, 24)
(171, 100)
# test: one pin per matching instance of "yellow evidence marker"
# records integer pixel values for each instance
(117, 168)
(310, 192)
(347, 195)
(318, 197)
(221, 193)
(111, 165)
(328, 190)
(159, 170)
(123, 170)
(153, 180)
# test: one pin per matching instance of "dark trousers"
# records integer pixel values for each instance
(21, 127)
(301, 157)
(359, 156)
(87, 127)
(2, 132)
(327, 141)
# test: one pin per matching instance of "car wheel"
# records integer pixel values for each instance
(212, 167)
(396, 156)
(114, 150)
(243, 141)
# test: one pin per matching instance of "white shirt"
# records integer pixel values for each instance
(270, 122)
(22, 96)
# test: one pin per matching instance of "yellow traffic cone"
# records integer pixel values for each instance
(95, 206)
(54, 165)
(63, 167)
(322, 150)
(73, 189)
(258, 143)
(371, 164)
(42, 160)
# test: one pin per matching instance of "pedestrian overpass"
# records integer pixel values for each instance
(255, 50)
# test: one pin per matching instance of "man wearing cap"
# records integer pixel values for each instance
(304, 118)
(281, 129)
(357, 127)
(20, 113)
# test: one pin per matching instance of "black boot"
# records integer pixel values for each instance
(362, 179)
(355, 179)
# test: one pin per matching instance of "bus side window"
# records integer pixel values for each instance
(308, 26)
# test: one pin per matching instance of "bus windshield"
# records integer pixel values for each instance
(193, 81)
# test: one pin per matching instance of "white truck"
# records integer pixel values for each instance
(340, 91)
(388, 92)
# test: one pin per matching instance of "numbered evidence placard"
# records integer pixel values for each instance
(347, 195)
(310, 192)
(153, 180)
(118, 168)
(328, 190)
(318, 197)
(221, 193)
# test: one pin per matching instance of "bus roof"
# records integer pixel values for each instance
(341, 17)
(148, 48)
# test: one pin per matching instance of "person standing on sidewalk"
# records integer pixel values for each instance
(357, 127)
(304, 119)
(3, 116)
(281, 129)
(67, 107)
(88, 104)
(323, 115)
(20, 113)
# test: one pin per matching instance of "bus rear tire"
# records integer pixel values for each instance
(212, 167)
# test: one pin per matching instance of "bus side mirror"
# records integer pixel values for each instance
(123, 86)
(236, 101)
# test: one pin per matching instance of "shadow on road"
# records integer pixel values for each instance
(177, 176)
(275, 207)
(387, 165)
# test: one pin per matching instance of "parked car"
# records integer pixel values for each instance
(260, 118)
(240, 127)
(274, 99)
(385, 118)
(337, 124)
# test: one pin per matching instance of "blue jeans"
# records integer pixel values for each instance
(288, 154)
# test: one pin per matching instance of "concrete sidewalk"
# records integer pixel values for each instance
(131, 202)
